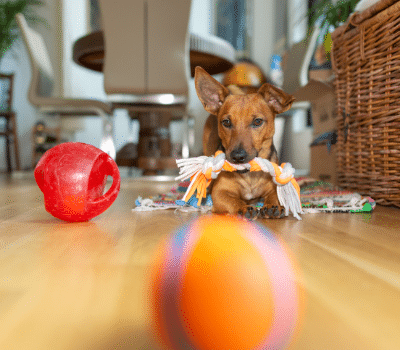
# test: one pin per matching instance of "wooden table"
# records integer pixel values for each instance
(84, 285)
(213, 54)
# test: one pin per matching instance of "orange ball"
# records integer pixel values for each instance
(224, 283)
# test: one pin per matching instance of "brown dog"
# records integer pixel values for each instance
(243, 127)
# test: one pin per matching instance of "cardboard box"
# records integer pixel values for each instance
(323, 163)
(324, 75)
(323, 111)
(321, 93)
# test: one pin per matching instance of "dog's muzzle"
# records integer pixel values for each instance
(239, 155)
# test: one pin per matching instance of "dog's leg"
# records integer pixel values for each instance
(229, 203)
(227, 199)
(271, 208)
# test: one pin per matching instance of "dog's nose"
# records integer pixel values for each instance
(239, 155)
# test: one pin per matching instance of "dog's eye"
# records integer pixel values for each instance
(257, 122)
(227, 123)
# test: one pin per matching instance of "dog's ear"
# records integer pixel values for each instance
(210, 92)
(278, 100)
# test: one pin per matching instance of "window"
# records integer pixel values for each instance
(95, 18)
(233, 23)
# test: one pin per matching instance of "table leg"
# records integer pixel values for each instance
(154, 147)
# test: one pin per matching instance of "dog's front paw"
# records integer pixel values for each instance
(249, 212)
(269, 211)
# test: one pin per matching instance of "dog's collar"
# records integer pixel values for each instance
(244, 171)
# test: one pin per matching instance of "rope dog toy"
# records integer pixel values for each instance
(202, 170)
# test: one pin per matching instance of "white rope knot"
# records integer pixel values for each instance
(217, 164)
(189, 167)
(280, 175)
(287, 174)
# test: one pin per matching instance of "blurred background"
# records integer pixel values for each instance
(260, 31)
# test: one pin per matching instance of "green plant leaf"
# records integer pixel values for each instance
(333, 15)
(328, 43)
(8, 26)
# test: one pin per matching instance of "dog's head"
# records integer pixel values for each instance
(246, 123)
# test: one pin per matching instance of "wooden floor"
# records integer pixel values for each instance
(83, 285)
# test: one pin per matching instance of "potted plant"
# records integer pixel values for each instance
(8, 25)
(330, 14)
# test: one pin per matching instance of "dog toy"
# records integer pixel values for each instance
(72, 177)
(202, 170)
(193, 308)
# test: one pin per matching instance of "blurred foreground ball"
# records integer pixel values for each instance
(225, 283)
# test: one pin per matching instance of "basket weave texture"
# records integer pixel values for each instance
(366, 62)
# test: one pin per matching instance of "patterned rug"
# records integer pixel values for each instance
(315, 196)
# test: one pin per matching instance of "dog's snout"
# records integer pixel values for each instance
(239, 155)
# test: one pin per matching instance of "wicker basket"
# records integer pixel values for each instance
(366, 62)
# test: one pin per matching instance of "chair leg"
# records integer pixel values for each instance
(107, 141)
(185, 137)
(8, 154)
(8, 151)
(15, 140)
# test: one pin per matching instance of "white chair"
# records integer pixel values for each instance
(296, 67)
(40, 92)
(147, 69)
